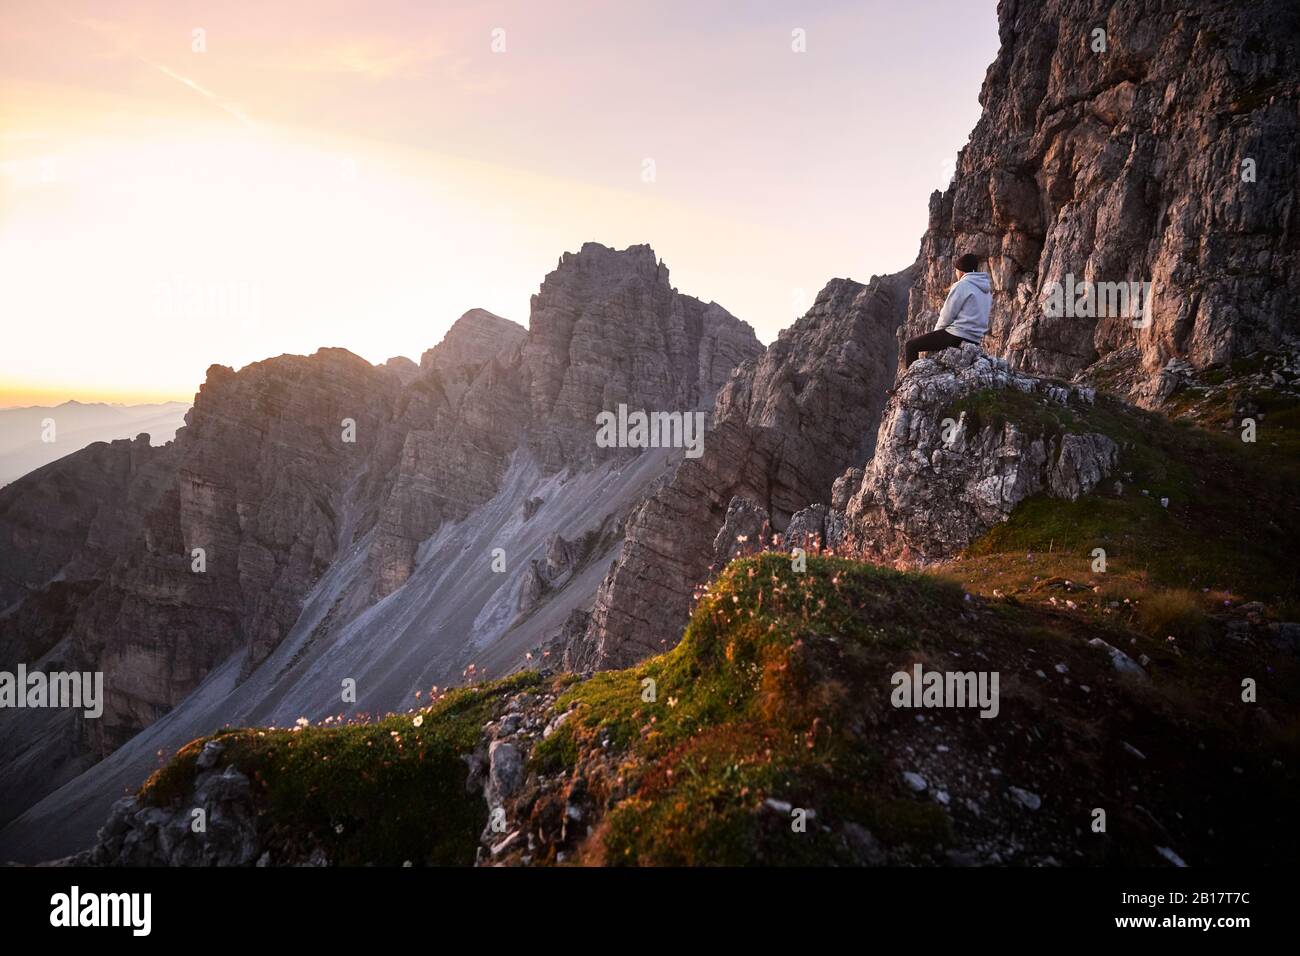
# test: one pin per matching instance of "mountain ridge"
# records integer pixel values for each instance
(296, 465)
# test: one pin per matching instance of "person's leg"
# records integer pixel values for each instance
(930, 342)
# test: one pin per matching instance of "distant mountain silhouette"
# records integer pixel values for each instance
(76, 425)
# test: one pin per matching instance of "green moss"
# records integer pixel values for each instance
(740, 635)
(1231, 519)
(174, 779)
(383, 792)
(996, 407)
(557, 752)
(754, 703)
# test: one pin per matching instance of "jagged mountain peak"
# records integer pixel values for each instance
(603, 267)
(401, 366)
(325, 360)
(472, 340)
(606, 328)
(597, 255)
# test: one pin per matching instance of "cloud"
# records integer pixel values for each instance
(376, 59)
(116, 34)
(207, 94)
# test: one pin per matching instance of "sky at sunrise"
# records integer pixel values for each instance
(183, 183)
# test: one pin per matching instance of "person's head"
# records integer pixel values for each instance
(968, 263)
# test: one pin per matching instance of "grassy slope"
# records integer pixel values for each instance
(779, 692)
(384, 792)
(781, 689)
(1228, 532)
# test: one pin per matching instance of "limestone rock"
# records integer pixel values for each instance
(607, 328)
(505, 770)
(139, 834)
(941, 477)
(745, 530)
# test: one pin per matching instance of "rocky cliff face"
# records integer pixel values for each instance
(607, 329)
(458, 422)
(188, 552)
(70, 517)
(474, 339)
(964, 441)
(785, 426)
(1089, 165)
(1168, 157)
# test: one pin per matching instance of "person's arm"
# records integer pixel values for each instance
(951, 306)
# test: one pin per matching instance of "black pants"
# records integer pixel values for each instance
(932, 342)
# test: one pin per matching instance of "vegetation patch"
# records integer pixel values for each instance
(768, 736)
(388, 792)
(752, 716)
(1194, 508)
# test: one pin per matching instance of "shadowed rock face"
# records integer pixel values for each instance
(259, 480)
(785, 426)
(293, 465)
(1128, 165)
(606, 328)
(69, 516)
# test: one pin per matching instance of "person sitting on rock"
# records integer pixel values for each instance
(965, 313)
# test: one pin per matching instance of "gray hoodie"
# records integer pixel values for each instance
(965, 312)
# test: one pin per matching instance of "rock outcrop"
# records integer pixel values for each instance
(187, 552)
(137, 834)
(965, 440)
(473, 340)
(1162, 150)
(456, 426)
